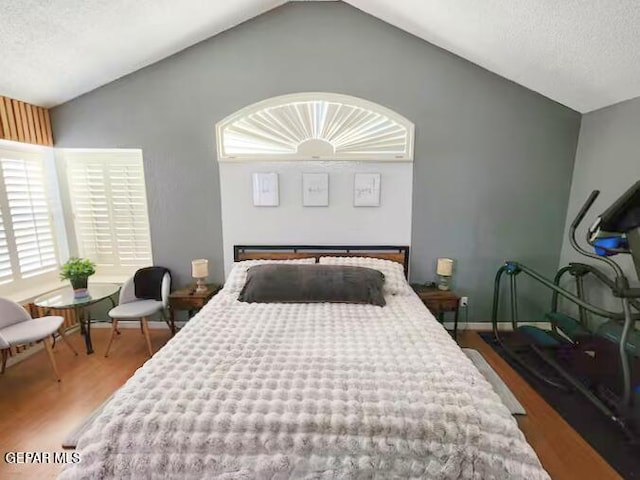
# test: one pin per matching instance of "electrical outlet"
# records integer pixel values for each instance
(464, 301)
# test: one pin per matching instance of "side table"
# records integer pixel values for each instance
(439, 302)
(188, 299)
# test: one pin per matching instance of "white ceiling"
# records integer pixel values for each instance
(53, 51)
(582, 53)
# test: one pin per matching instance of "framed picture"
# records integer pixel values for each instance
(315, 189)
(265, 190)
(366, 190)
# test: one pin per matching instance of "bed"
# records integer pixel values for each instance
(322, 390)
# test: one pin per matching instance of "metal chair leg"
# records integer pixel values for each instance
(52, 360)
(114, 332)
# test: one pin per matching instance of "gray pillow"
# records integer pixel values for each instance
(273, 283)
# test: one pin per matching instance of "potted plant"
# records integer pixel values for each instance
(77, 271)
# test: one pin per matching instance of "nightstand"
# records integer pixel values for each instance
(439, 302)
(188, 299)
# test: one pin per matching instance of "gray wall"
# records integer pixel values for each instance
(608, 159)
(493, 160)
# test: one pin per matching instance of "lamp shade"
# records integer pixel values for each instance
(445, 267)
(200, 268)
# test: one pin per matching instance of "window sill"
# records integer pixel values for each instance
(26, 295)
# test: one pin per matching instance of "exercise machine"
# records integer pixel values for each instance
(603, 364)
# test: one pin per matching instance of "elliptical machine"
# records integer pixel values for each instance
(616, 231)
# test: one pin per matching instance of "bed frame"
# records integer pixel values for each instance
(399, 254)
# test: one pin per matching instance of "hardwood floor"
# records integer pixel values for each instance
(37, 413)
(563, 453)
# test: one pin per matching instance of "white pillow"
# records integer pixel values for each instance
(238, 275)
(394, 279)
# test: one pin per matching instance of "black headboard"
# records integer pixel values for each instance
(394, 253)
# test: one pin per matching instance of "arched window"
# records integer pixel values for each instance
(315, 126)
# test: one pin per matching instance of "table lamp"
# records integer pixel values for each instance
(444, 271)
(200, 271)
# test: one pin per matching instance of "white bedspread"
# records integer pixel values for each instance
(307, 391)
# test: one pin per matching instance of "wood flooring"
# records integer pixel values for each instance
(37, 413)
(563, 453)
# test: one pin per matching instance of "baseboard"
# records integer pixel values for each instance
(487, 326)
(24, 354)
(159, 325)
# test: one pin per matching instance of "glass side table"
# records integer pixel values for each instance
(63, 299)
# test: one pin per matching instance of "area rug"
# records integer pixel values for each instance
(599, 431)
(71, 441)
(507, 397)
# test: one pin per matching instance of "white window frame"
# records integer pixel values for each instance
(69, 155)
(314, 126)
(44, 155)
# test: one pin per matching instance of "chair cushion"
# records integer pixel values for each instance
(31, 330)
(137, 309)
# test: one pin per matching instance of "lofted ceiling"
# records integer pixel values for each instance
(53, 51)
(584, 54)
(581, 53)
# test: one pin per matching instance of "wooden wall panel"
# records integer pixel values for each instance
(36, 124)
(32, 129)
(47, 126)
(23, 122)
(13, 131)
(15, 105)
(4, 120)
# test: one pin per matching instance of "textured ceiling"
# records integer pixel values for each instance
(53, 51)
(582, 53)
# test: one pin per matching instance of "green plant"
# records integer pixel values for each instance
(77, 268)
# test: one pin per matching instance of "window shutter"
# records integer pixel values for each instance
(91, 210)
(28, 209)
(6, 273)
(315, 126)
(129, 209)
(109, 201)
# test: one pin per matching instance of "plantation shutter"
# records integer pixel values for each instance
(109, 202)
(91, 210)
(6, 273)
(30, 215)
(27, 242)
(129, 209)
